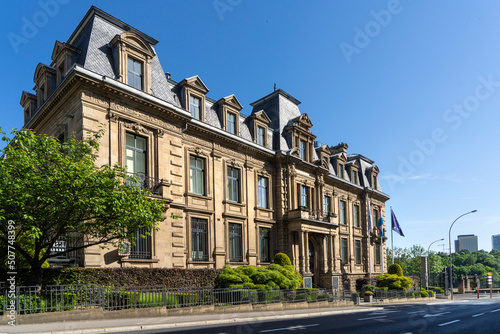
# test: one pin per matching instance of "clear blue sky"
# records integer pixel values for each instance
(413, 85)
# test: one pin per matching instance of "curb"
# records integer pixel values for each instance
(206, 322)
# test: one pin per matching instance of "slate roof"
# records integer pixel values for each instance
(97, 29)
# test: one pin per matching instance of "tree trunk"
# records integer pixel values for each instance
(35, 274)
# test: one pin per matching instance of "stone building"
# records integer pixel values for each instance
(239, 188)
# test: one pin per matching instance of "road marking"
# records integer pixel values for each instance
(415, 312)
(288, 328)
(495, 310)
(449, 323)
(435, 315)
(382, 316)
(477, 315)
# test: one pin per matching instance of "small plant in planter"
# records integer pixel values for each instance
(368, 297)
(355, 297)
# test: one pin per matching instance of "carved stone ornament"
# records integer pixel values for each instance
(197, 151)
(160, 133)
(136, 127)
(113, 117)
(295, 152)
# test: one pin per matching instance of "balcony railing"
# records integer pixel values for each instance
(144, 182)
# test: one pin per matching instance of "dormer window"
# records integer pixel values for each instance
(135, 73)
(303, 150)
(341, 171)
(354, 176)
(260, 136)
(374, 181)
(194, 107)
(231, 123)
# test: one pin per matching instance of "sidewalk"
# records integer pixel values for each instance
(117, 325)
(134, 324)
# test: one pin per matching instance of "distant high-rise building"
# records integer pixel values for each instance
(467, 241)
(495, 241)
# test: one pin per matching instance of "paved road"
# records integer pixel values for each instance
(462, 316)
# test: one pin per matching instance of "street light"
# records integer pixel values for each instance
(451, 259)
(429, 262)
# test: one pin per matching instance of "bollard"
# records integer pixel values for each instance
(477, 294)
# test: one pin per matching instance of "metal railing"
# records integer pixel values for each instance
(33, 299)
(144, 182)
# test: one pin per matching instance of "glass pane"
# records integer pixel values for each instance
(140, 162)
(140, 143)
(130, 140)
(130, 161)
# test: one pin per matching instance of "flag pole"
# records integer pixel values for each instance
(369, 239)
(392, 240)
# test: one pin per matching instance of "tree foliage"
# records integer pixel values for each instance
(52, 190)
(395, 269)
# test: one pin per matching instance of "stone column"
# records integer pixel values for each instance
(324, 252)
(306, 251)
(301, 252)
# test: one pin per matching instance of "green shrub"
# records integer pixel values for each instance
(282, 259)
(395, 269)
(412, 295)
(437, 289)
(431, 293)
(423, 294)
(394, 282)
(272, 276)
(368, 293)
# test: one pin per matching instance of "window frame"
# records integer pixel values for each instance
(326, 205)
(303, 149)
(147, 242)
(196, 170)
(191, 105)
(233, 182)
(134, 74)
(261, 138)
(264, 240)
(357, 251)
(356, 217)
(343, 212)
(196, 239)
(304, 196)
(235, 240)
(231, 126)
(344, 251)
(262, 192)
(378, 255)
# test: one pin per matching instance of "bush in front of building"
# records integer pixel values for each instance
(282, 259)
(272, 276)
(168, 277)
(395, 269)
(424, 293)
(394, 282)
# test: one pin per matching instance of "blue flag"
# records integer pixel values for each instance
(380, 223)
(395, 225)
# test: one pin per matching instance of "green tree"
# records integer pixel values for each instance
(51, 190)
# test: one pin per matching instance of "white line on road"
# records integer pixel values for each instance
(382, 316)
(477, 315)
(449, 323)
(415, 312)
(288, 328)
(495, 310)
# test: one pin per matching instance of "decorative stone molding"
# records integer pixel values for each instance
(138, 128)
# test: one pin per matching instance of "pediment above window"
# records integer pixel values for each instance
(134, 42)
(303, 121)
(195, 83)
(261, 116)
(231, 101)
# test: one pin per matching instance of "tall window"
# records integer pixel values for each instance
(262, 192)
(326, 205)
(194, 107)
(233, 184)
(141, 247)
(305, 196)
(354, 177)
(341, 171)
(356, 215)
(199, 237)
(136, 157)
(377, 253)
(344, 250)
(265, 254)
(197, 175)
(231, 123)
(235, 245)
(303, 150)
(135, 73)
(260, 136)
(375, 217)
(342, 212)
(374, 182)
(357, 248)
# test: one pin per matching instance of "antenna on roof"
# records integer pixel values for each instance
(275, 86)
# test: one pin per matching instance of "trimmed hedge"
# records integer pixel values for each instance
(169, 277)
(282, 259)
(395, 269)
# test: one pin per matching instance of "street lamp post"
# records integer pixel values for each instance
(451, 259)
(429, 262)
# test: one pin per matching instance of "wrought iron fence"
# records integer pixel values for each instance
(33, 299)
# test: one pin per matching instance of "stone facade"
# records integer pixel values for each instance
(239, 188)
